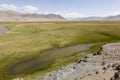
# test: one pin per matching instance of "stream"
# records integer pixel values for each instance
(46, 58)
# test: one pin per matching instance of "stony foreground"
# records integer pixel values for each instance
(103, 65)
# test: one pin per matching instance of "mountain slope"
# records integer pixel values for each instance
(108, 18)
(117, 17)
(15, 16)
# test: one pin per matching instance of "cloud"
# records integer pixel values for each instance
(24, 9)
(69, 14)
(8, 7)
(34, 9)
(72, 14)
(107, 13)
(116, 12)
(30, 9)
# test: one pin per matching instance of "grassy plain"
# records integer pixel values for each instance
(31, 39)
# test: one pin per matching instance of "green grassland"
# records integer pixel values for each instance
(31, 39)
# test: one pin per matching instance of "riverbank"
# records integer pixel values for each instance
(103, 65)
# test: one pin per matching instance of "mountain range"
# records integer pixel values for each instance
(95, 18)
(13, 16)
(16, 16)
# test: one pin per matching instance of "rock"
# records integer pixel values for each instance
(103, 63)
(79, 61)
(118, 68)
(73, 67)
(86, 57)
(82, 60)
(116, 76)
(104, 68)
(100, 50)
(98, 53)
(115, 66)
(94, 54)
(97, 72)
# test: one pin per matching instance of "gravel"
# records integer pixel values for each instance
(101, 66)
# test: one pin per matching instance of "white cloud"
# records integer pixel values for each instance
(70, 14)
(111, 13)
(30, 9)
(8, 7)
(106, 13)
(34, 9)
(24, 9)
(65, 14)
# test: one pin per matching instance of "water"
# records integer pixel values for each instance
(46, 58)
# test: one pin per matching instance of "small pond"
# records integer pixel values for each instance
(46, 58)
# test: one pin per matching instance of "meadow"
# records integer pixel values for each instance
(25, 40)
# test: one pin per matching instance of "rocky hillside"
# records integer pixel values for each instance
(102, 65)
(15, 16)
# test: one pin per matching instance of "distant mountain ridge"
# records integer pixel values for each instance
(13, 16)
(16, 16)
(108, 18)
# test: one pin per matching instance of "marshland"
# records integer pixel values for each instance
(30, 49)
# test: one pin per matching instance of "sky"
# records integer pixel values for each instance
(66, 8)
